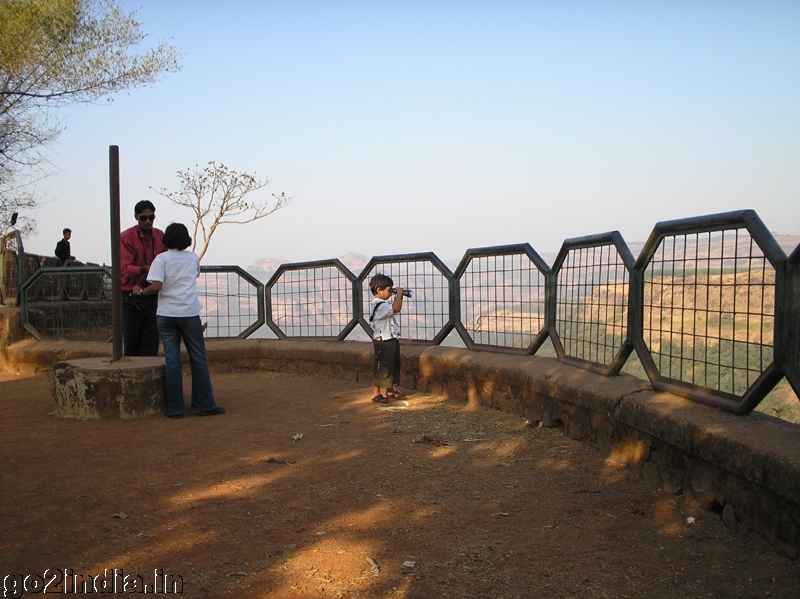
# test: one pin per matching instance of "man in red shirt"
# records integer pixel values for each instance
(139, 245)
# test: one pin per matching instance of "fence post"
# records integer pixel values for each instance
(116, 269)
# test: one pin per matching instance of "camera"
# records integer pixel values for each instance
(406, 292)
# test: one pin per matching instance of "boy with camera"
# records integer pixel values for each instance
(385, 336)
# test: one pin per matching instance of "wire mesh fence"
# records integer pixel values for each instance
(426, 314)
(591, 315)
(502, 297)
(709, 309)
(311, 300)
(710, 305)
(68, 303)
(232, 300)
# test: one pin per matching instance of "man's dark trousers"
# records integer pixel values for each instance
(140, 330)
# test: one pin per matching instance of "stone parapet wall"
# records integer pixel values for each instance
(745, 468)
(11, 331)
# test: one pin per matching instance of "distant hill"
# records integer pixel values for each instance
(787, 242)
(354, 261)
(263, 269)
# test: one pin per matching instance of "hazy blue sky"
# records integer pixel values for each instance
(402, 126)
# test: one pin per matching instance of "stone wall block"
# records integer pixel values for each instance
(702, 483)
(474, 388)
(97, 388)
(729, 517)
(551, 420)
(628, 453)
(773, 518)
(513, 403)
(603, 432)
(673, 466)
(651, 474)
(499, 401)
(575, 430)
(230, 355)
(435, 389)
(11, 331)
(459, 392)
(533, 413)
(338, 371)
(485, 391)
(407, 381)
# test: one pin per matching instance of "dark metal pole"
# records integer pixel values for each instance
(116, 270)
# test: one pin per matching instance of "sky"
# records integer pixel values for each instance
(436, 125)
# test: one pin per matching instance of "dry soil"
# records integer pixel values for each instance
(422, 498)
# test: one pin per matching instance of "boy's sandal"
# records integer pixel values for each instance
(395, 394)
(380, 399)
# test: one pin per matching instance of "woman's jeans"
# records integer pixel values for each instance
(171, 329)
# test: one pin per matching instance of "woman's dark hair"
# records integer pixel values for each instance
(176, 237)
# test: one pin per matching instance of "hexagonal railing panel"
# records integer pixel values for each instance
(709, 309)
(232, 300)
(502, 298)
(68, 303)
(590, 323)
(425, 316)
(312, 300)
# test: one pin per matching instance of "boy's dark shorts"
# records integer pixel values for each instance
(386, 363)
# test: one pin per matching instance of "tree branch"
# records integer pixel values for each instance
(216, 197)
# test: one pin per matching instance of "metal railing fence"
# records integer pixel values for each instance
(590, 322)
(502, 298)
(312, 299)
(790, 351)
(711, 326)
(711, 306)
(425, 316)
(68, 303)
(233, 302)
(75, 302)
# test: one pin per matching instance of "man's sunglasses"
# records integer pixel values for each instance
(144, 217)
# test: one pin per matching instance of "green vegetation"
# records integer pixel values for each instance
(708, 327)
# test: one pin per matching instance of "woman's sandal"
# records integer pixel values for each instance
(380, 399)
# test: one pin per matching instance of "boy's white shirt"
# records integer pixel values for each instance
(384, 324)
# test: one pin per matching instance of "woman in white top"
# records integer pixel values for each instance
(173, 275)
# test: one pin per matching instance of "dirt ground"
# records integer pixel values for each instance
(444, 499)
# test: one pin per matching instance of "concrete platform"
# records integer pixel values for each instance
(93, 388)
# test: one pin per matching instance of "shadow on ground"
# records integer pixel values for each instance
(419, 499)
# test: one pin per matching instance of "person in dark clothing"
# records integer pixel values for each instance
(139, 246)
(63, 251)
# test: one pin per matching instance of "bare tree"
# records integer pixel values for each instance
(216, 196)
